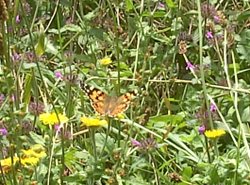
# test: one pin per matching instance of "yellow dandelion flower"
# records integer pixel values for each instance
(32, 153)
(51, 118)
(35, 151)
(7, 163)
(93, 122)
(29, 152)
(105, 61)
(214, 133)
(29, 161)
(120, 116)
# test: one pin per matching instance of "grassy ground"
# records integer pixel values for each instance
(124, 92)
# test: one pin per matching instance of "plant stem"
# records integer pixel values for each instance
(92, 136)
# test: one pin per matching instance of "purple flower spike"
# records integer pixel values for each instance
(16, 57)
(2, 98)
(12, 98)
(161, 5)
(30, 56)
(18, 19)
(209, 35)
(216, 19)
(189, 65)
(57, 127)
(58, 74)
(202, 129)
(3, 131)
(135, 143)
(212, 107)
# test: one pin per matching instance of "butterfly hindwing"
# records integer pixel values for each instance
(122, 103)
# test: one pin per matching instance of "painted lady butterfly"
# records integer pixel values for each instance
(106, 105)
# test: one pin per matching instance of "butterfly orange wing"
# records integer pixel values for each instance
(122, 103)
(108, 105)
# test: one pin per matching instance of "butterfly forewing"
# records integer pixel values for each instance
(96, 97)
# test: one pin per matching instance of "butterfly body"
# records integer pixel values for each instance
(106, 105)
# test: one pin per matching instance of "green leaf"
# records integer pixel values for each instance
(215, 178)
(246, 115)
(166, 119)
(41, 172)
(244, 16)
(71, 28)
(97, 32)
(40, 46)
(68, 27)
(29, 65)
(129, 5)
(52, 49)
(70, 158)
(90, 16)
(243, 47)
(170, 3)
(187, 173)
(156, 14)
(237, 66)
(82, 155)
(27, 90)
(37, 138)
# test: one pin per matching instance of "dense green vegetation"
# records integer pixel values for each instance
(125, 92)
